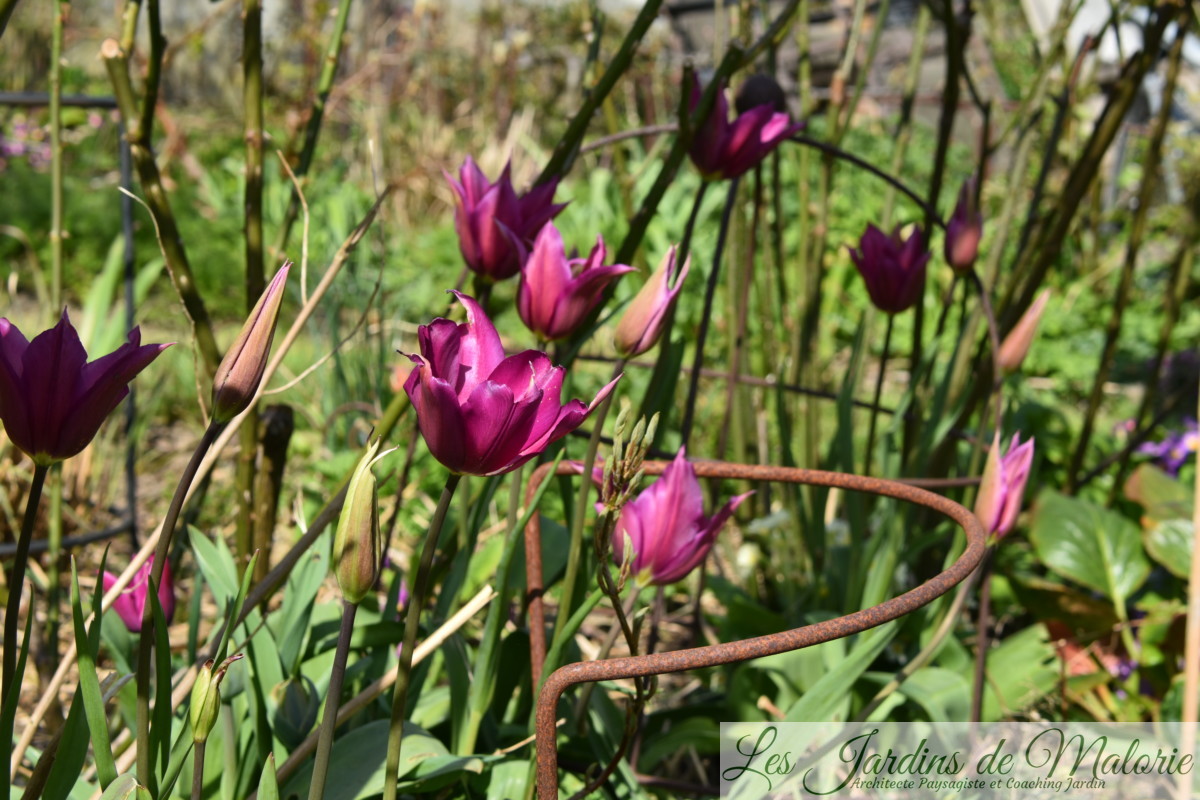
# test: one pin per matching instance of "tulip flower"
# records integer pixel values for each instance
(964, 230)
(241, 370)
(494, 222)
(479, 412)
(666, 525)
(643, 322)
(893, 267)
(1015, 346)
(722, 149)
(557, 293)
(1003, 485)
(52, 400)
(131, 603)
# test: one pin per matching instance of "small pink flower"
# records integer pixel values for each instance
(722, 149)
(480, 412)
(666, 525)
(131, 603)
(1002, 487)
(557, 293)
(643, 322)
(964, 231)
(52, 400)
(494, 222)
(892, 267)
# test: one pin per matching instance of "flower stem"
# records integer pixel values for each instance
(16, 580)
(883, 359)
(710, 293)
(981, 634)
(198, 770)
(412, 620)
(146, 639)
(316, 789)
(575, 552)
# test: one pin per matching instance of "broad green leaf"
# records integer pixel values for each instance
(1020, 671)
(1098, 548)
(1170, 544)
(125, 787)
(1162, 496)
(216, 562)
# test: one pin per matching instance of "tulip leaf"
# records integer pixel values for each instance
(828, 695)
(1020, 671)
(86, 645)
(268, 787)
(68, 762)
(216, 562)
(124, 787)
(1170, 544)
(291, 623)
(1090, 545)
(8, 711)
(160, 728)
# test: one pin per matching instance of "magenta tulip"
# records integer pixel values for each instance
(131, 602)
(722, 149)
(893, 267)
(52, 401)
(1002, 487)
(557, 293)
(480, 412)
(666, 525)
(643, 322)
(494, 222)
(964, 230)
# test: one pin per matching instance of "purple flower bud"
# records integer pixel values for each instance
(131, 603)
(964, 230)
(722, 149)
(557, 293)
(241, 370)
(666, 525)
(494, 222)
(52, 400)
(643, 322)
(892, 267)
(480, 412)
(1002, 487)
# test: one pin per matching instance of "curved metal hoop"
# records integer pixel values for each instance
(729, 652)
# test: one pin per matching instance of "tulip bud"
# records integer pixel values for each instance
(357, 546)
(242, 368)
(964, 230)
(642, 325)
(206, 697)
(1015, 346)
(297, 704)
(1002, 487)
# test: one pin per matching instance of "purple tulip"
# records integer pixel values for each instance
(642, 324)
(493, 221)
(893, 268)
(482, 413)
(131, 603)
(1002, 487)
(52, 401)
(557, 293)
(964, 230)
(722, 149)
(666, 525)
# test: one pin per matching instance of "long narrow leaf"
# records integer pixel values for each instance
(160, 728)
(9, 710)
(89, 683)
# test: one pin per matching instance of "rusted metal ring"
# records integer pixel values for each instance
(729, 652)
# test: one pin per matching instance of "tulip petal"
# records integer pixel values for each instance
(439, 418)
(52, 366)
(480, 349)
(14, 409)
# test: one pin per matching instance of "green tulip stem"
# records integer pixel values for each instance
(412, 620)
(146, 639)
(16, 580)
(981, 634)
(575, 551)
(883, 359)
(316, 789)
(198, 770)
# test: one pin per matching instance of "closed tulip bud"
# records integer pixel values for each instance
(297, 704)
(1002, 487)
(241, 370)
(1015, 346)
(643, 323)
(964, 230)
(357, 546)
(206, 697)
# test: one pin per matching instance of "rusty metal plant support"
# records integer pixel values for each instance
(729, 652)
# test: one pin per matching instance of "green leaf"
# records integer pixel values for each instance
(831, 692)
(268, 788)
(8, 711)
(125, 787)
(1170, 544)
(1098, 548)
(89, 683)
(216, 562)
(1162, 496)
(160, 729)
(1020, 671)
(72, 753)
